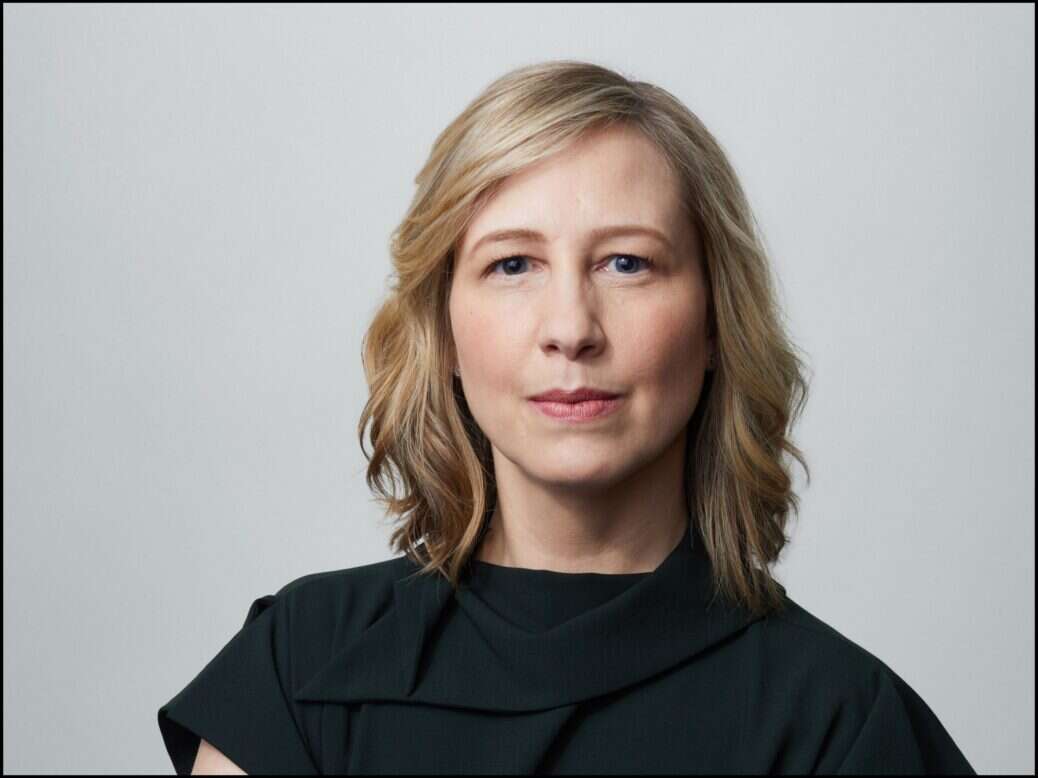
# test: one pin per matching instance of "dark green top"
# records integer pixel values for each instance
(365, 670)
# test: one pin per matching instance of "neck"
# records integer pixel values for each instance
(627, 527)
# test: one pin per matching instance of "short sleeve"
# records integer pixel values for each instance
(240, 702)
(902, 736)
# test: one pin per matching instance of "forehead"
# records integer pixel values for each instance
(612, 176)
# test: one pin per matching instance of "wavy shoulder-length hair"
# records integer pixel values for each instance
(736, 482)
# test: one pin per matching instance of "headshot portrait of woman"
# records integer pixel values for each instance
(515, 389)
(581, 395)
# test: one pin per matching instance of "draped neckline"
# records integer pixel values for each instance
(436, 645)
(536, 599)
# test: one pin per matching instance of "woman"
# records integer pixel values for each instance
(582, 381)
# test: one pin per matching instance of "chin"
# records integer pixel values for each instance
(584, 477)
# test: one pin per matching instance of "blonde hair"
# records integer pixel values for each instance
(736, 483)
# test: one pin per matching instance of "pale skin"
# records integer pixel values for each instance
(210, 761)
(572, 310)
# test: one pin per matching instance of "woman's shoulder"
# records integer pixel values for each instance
(356, 590)
(315, 616)
(368, 575)
(794, 633)
(801, 649)
(876, 720)
(796, 623)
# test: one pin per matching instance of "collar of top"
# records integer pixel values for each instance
(438, 647)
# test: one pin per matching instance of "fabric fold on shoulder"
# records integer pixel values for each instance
(425, 647)
(901, 734)
(240, 703)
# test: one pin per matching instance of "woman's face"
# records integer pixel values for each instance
(575, 310)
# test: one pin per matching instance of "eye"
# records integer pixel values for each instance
(631, 260)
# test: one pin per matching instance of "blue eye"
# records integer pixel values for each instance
(509, 259)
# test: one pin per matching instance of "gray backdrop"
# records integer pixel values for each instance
(197, 207)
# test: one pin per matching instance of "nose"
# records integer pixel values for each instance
(569, 316)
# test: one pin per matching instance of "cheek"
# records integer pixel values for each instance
(668, 344)
(488, 345)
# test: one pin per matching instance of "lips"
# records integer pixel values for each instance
(582, 411)
(583, 394)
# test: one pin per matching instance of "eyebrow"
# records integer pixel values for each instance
(520, 233)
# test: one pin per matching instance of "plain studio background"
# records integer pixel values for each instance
(197, 208)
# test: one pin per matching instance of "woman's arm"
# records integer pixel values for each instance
(210, 761)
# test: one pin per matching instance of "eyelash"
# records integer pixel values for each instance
(494, 263)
